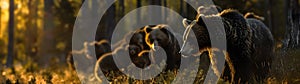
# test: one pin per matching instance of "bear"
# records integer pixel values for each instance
(252, 15)
(146, 38)
(263, 45)
(105, 61)
(209, 10)
(138, 47)
(250, 45)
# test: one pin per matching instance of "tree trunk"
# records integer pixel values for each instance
(189, 11)
(138, 4)
(165, 11)
(181, 8)
(269, 13)
(111, 21)
(122, 7)
(155, 2)
(47, 43)
(293, 24)
(32, 31)
(0, 18)
(155, 13)
(9, 62)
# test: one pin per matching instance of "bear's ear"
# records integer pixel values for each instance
(209, 10)
(148, 29)
(164, 29)
(200, 9)
(186, 22)
(200, 20)
(218, 8)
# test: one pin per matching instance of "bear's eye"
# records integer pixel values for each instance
(133, 49)
(132, 52)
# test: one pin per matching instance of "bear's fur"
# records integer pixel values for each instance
(209, 10)
(252, 15)
(157, 35)
(141, 41)
(250, 45)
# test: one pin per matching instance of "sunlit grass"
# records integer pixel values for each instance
(285, 70)
(24, 75)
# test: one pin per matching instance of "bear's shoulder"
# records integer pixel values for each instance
(231, 14)
(227, 15)
(254, 16)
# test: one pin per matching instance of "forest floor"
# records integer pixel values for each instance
(286, 70)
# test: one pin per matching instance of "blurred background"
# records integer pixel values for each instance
(36, 35)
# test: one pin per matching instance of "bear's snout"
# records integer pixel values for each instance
(142, 61)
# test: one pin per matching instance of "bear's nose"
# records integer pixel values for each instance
(143, 63)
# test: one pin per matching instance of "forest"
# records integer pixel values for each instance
(36, 36)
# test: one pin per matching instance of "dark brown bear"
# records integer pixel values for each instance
(146, 38)
(142, 41)
(250, 45)
(252, 15)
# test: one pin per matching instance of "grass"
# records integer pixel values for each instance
(30, 75)
(286, 67)
(285, 70)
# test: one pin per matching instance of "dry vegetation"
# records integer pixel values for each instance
(285, 71)
(62, 15)
(32, 74)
